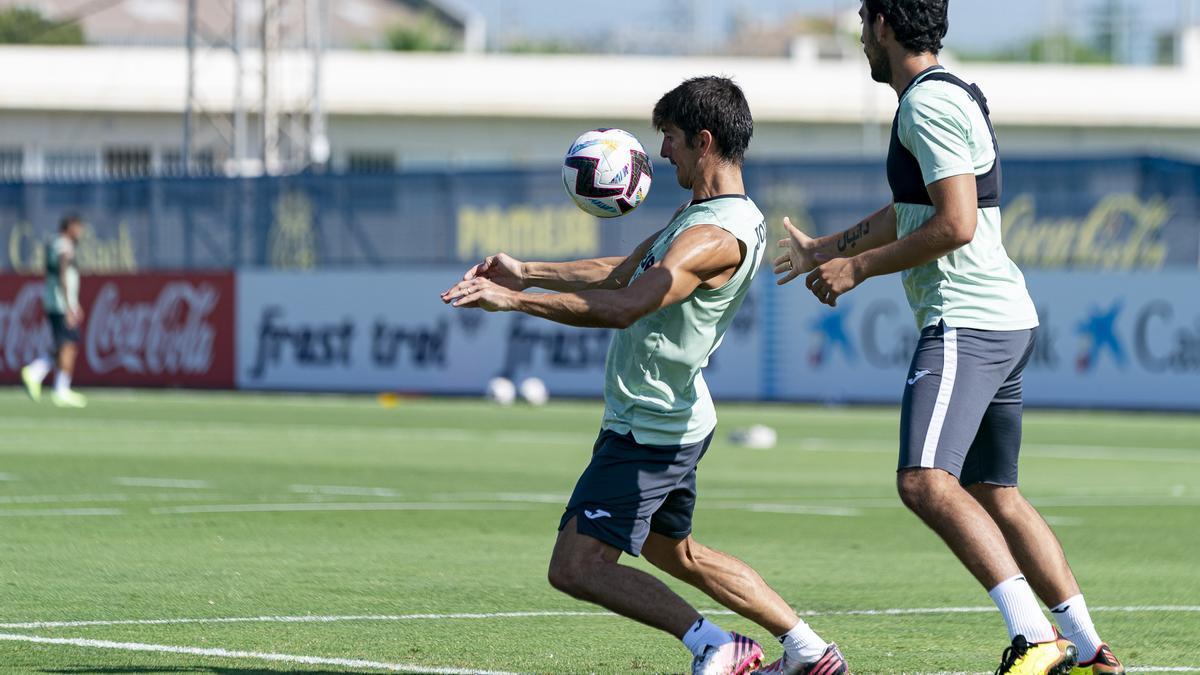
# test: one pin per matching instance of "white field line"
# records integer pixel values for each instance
(114, 497)
(533, 436)
(24, 513)
(308, 618)
(232, 654)
(795, 509)
(837, 506)
(519, 497)
(172, 483)
(888, 503)
(332, 506)
(343, 490)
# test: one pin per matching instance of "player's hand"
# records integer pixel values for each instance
(799, 255)
(74, 318)
(833, 279)
(479, 292)
(502, 269)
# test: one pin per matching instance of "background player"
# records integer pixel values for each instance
(961, 418)
(671, 300)
(64, 314)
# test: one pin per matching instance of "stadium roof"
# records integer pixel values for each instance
(152, 80)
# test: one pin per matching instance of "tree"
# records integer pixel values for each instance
(1052, 48)
(426, 34)
(19, 25)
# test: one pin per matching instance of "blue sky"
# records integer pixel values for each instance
(975, 24)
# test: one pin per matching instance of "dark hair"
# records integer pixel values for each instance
(919, 25)
(712, 103)
(69, 220)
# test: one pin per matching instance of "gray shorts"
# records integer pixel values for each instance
(630, 490)
(962, 406)
(59, 330)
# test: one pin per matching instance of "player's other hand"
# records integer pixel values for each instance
(502, 269)
(833, 279)
(74, 318)
(479, 292)
(799, 255)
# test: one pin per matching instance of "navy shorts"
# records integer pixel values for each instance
(962, 406)
(630, 490)
(59, 330)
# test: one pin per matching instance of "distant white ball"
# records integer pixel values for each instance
(501, 390)
(534, 391)
(758, 436)
(607, 172)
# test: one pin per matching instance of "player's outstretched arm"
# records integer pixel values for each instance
(564, 277)
(802, 254)
(700, 254)
(951, 227)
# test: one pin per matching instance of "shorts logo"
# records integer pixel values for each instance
(917, 376)
(598, 513)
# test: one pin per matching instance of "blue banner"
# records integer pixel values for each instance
(1123, 213)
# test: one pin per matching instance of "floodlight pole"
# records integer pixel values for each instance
(318, 141)
(240, 132)
(189, 109)
(270, 118)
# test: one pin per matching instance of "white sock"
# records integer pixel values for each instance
(704, 634)
(802, 644)
(40, 368)
(1021, 611)
(62, 382)
(1072, 616)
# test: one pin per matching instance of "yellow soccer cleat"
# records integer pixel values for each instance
(69, 399)
(33, 386)
(1056, 657)
(1103, 663)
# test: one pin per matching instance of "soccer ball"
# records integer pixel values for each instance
(501, 390)
(607, 172)
(534, 391)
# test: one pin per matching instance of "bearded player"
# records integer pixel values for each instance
(670, 302)
(960, 433)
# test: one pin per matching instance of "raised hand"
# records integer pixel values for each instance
(479, 292)
(502, 269)
(799, 255)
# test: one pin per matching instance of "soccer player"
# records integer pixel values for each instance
(960, 429)
(670, 301)
(64, 314)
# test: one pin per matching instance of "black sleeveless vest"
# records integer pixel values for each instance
(903, 170)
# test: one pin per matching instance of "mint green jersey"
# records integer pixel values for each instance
(976, 286)
(653, 386)
(54, 300)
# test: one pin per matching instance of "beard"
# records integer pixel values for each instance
(881, 64)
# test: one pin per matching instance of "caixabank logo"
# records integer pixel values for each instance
(1098, 337)
(1156, 336)
(879, 334)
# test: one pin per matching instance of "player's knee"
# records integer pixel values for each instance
(571, 573)
(922, 490)
(683, 560)
(564, 575)
(908, 484)
(1000, 502)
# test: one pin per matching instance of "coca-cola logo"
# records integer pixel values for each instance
(24, 334)
(169, 335)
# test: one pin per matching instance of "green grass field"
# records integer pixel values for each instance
(226, 533)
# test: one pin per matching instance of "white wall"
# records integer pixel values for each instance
(463, 142)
